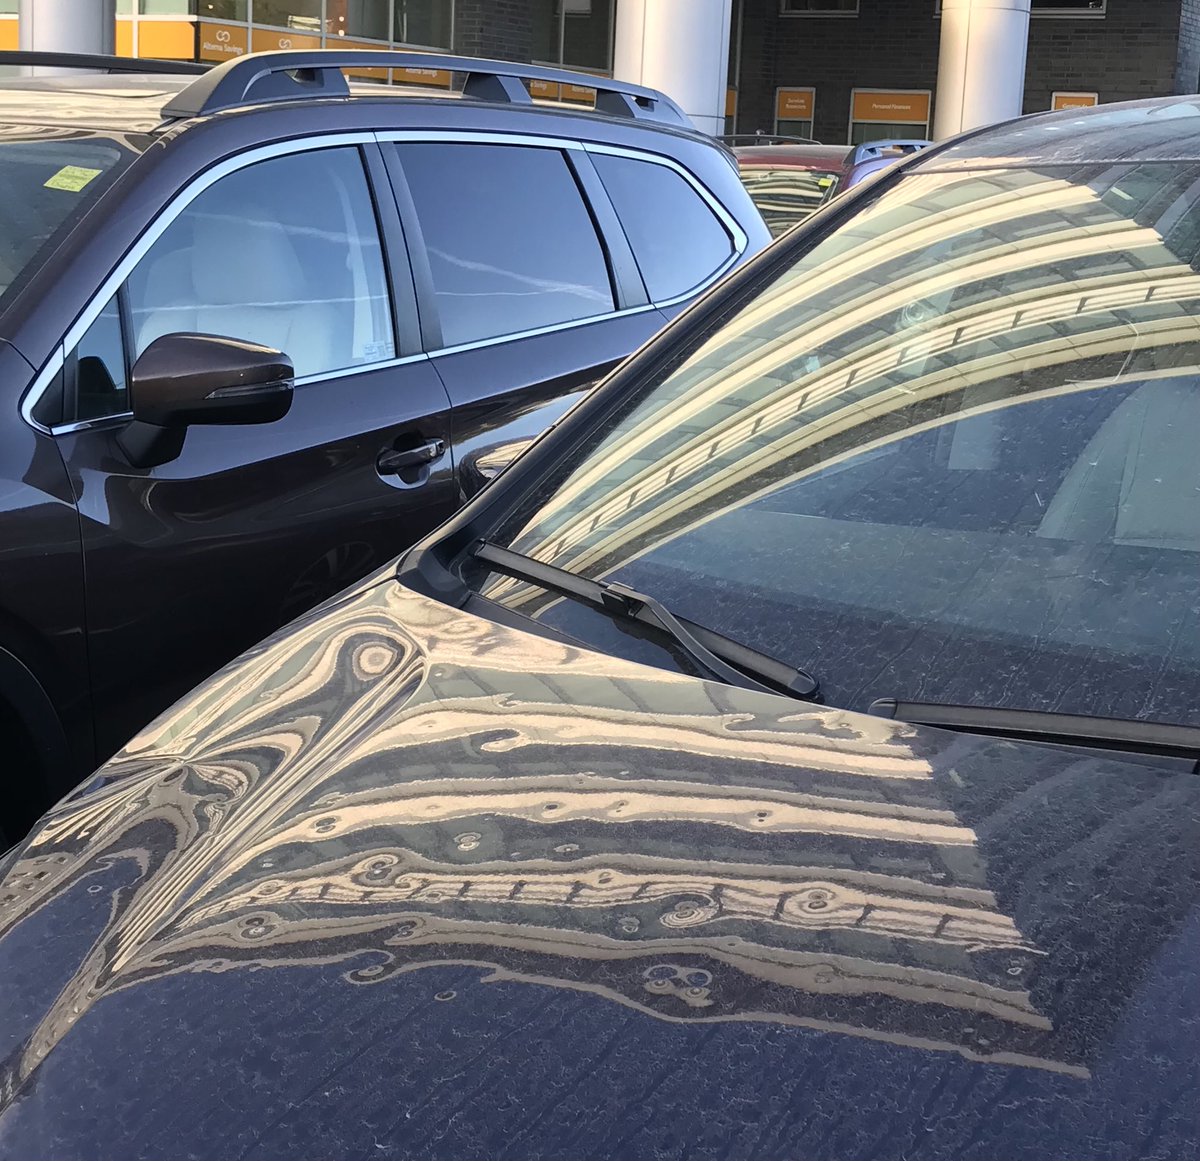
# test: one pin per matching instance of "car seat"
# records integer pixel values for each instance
(1138, 479)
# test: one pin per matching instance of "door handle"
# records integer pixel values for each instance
(394, 460)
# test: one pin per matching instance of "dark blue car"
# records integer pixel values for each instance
(792, 756)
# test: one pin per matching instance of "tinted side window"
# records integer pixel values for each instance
(511, 244)
(286, 253)
(676, 238)
(99, 369)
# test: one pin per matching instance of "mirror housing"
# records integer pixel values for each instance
(185, 379)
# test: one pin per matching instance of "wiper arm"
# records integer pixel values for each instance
(1154, 738)
(719, 656)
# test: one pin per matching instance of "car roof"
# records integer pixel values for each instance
(794, 156)
(136, 102)
(1157, 129)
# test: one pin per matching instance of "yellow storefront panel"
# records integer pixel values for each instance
(280, 39)
(222, 41)
(891, 108)
(439, 77)
(9, 38)
(362, 46)
(166, 39)
(123, 41)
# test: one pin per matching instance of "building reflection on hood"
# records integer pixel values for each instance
(401, 785)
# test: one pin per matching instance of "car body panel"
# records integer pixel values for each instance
(244, 544)
(42, 583)
(407, 883)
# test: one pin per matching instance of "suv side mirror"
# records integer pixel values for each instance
(185, 379)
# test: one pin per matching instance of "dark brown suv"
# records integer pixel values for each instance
(392, 285)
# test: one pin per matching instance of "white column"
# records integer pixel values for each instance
(680, 47)
(981, 74)
(67, 26)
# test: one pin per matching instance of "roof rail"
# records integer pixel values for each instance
(743, 139)
(297, 75)
(99, 63)
(874, 150)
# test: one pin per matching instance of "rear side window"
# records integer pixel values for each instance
(677, 239)
(512, 245)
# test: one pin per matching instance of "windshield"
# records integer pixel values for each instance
(949, 455)
(787, 196)
(47, 180)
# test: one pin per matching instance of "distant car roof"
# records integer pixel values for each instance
(1158, 129)
(794, 156)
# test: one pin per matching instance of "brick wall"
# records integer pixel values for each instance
(1187, 59)
(1135, 51)
(501, 29)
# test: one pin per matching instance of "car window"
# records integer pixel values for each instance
(785, 196)
(284, 252)
(948, 455)
(512, 246)
(98, 369)
(46, 184)
(677, 239)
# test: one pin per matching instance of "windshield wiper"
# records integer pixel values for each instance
(719, 656)
(1153, 738)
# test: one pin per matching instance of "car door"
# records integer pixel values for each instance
(529, 290)
(193, 561)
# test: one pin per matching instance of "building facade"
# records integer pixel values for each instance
(836, 70)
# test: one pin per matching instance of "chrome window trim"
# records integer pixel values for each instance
(125, 416)
(361, 369)
(305, 145)
(737, 235)
(478, 137)
(151, 234)
(553, 328)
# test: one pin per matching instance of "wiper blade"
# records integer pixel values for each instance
(719, 656)
(1154, 738)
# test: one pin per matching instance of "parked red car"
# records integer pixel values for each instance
(790, 181)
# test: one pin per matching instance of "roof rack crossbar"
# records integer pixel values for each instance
(293, 75)
(873, 150)
(101, 63)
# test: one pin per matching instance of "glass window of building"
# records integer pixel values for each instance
(301, 15)
(542, 265)
(574, 33)
(224, 9)
(425, 23)
(819, 7)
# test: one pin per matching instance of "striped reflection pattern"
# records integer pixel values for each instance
(955, 295)
(395, 784)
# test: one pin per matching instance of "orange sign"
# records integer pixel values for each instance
(276, 40)
(795, 104)
(731, 102)
(166, 39)
(902, 108)
(544, 90)
(223, 41)
(1074, 100)
(362, 46)
(579, 93)
(9, 39)
(439, 77)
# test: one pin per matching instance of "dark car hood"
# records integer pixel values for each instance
(406, 883)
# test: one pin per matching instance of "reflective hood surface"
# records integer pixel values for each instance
(403, 883)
